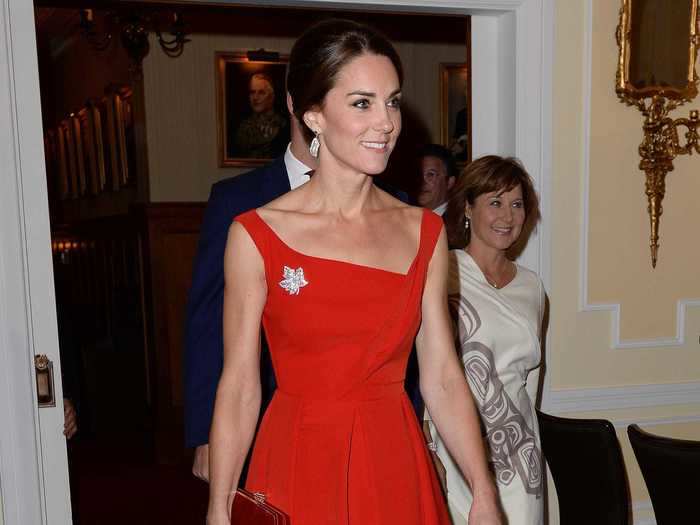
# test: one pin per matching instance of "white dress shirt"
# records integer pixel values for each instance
(440, 210)
(296, 169)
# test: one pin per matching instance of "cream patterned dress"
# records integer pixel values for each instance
(500, 348)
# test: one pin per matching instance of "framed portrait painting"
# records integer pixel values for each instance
(62, 164)
(80, 156)
(455, 111)
(89, 157)
(253, 121)
(67, 132)
(124, 129)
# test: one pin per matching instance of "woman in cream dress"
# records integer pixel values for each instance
(497, 307)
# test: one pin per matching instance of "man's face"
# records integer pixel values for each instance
(261, 94)
(434, 183)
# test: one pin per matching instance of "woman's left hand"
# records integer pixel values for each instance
(485, 511)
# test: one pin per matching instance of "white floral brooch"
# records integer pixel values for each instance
(293, 280)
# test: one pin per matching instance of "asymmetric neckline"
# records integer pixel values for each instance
(350, 263)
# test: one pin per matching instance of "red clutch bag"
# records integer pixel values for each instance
(251, 509)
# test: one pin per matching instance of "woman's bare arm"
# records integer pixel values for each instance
(446, 394)
(237, 405)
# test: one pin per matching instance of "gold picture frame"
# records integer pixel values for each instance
(455, 110)
(89, 155)
(240, 141)
(79, 155)
(62, 164)
(124, 128)
(68, 131)
(658, 44)
(644, 68)
(109, 141)
(95, 118)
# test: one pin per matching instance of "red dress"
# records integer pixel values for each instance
(340, 444)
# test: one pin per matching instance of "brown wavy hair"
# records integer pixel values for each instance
(484, 175)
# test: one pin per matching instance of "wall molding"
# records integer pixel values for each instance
(653, 422)
(584, 305)
(620, 397)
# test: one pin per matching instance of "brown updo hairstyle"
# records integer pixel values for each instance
(485, 175)
(321, 52)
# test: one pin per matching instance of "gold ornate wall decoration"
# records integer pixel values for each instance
(658, 43)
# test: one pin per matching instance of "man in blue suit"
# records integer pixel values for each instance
(204, 330)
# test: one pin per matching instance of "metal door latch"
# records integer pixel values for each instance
(43, 368)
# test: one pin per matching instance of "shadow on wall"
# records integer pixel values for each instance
(403, 171)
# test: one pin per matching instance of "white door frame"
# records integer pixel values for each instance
(32, 447)
(512, 49)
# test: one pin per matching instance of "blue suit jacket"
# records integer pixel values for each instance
(204, 331)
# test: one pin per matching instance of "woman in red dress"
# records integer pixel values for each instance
(342, 277)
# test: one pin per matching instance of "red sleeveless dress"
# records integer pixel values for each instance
(340, 444)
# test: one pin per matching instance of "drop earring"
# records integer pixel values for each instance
(314, 146)
(466, 222)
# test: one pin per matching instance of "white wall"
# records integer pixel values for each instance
(617, 350)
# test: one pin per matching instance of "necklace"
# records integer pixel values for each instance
(491, 281)
(507, 276)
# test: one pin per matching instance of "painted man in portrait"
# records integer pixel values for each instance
(264, 133)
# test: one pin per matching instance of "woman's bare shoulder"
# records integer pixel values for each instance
(277, 210)
(404, 217)
(284, 202)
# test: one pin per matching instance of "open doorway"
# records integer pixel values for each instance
(124, 232)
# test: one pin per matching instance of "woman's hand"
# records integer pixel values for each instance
(485, 510)
(220, 514)
(219, 518)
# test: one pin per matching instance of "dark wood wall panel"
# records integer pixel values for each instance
(121, 286)
(171, 234)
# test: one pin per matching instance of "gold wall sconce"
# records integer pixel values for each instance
(658, 41)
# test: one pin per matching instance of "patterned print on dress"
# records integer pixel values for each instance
(512, 443)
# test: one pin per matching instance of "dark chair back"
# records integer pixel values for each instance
(671, 470)
(586, 463)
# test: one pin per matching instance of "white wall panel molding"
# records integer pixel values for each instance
(623, 423)
(584, 305)
(620, 397)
